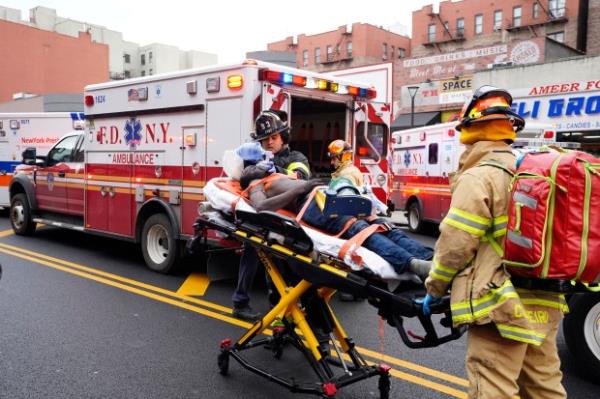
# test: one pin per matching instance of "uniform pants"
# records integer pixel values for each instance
(503, 368)
(249, 264)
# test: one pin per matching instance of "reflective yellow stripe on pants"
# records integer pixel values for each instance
(466, 221)
(469, 311)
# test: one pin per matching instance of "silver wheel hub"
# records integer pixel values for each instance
(17, 215)
(591, 330)
(158, 243)
(413, 218)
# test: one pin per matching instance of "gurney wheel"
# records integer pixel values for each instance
(223, 362)
(384, 385)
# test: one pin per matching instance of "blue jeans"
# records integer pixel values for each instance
(394, 246)
(249, 263)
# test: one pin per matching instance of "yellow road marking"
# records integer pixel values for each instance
(195, 284)
(183, 301)
(6, 233)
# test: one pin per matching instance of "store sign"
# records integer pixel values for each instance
(525, 52)
(460, 84)
(569, 106)
(454, 97)
(456, 56)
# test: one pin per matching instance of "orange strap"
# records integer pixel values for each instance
(358, 239)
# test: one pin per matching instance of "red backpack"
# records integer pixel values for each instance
(553, 229)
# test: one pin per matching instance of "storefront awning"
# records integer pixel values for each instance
(421, 119)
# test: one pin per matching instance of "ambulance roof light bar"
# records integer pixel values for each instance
(321, 84)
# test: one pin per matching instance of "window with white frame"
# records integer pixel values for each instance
(497, 20)
(478, 24)
(305, 58)
(318, 55)
(431, 33)
(516, 16)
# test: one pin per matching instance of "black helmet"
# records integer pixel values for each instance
(489, 103)
(271, 122)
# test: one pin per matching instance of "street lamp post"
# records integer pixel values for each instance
(412, 90)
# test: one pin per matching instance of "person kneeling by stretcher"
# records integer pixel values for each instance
(298, 196)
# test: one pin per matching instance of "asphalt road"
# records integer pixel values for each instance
(83, 318)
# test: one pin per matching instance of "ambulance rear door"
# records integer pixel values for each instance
(371, 145)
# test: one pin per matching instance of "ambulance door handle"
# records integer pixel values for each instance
(111, 192)
(61, 173)
(103, 191)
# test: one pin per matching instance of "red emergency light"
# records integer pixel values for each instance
(89, 101)
(280, 77)
(362, 151)
(451, 133)
(548, 134)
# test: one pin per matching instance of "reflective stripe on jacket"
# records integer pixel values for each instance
(292, 163)
(466, 261)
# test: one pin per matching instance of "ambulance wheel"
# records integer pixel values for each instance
(20, 216)
(582, 332)
(414, 217)
(159, 245)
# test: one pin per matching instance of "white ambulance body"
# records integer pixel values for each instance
(151, 144)
(30, 129)
(424, 157)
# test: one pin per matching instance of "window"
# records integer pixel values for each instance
(431, 33)
(558, 36)
(516, 16)
(150, 71)
(401, 53)
(337, 49)
(446, 27)
(143, 73)
(127, 58)
(385, 52)
(478, 24)
(433, 153)
(557, 8)
(317, 55)
(392, 51)
(127, 74)
(349, 49)
(497, 20)
(536, 9)
(329, 53)
(377, 136)
(460, 27)
(305, 58)
(63, 151)
(143, 59)
(150, 56)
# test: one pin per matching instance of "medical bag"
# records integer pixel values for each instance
(553, 229)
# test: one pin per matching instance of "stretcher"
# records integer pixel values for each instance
(306, 279)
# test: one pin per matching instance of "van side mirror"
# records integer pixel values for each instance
(29, 156)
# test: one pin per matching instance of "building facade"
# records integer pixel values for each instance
(126, 59)
(348, 46)
(35, 61)
(456, 39)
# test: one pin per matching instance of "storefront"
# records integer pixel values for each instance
(572, 107)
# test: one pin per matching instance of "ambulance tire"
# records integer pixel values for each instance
(20, 215)
(414, 217)
(582, 333)
(159, 245)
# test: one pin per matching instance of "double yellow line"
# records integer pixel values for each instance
(223, 313)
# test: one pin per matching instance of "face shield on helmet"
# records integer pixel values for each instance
(340, 149)
(269, 123)
(487, 104)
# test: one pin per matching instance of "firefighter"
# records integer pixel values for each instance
(273, 133)
(511, 346)
(340, 156)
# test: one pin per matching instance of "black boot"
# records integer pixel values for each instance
(245, 312)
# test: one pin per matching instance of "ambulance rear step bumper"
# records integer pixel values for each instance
(63, 225)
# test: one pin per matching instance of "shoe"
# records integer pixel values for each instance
(245, 313)
(420, 267)
(346, 297)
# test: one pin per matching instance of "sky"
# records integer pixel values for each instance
(226, 28)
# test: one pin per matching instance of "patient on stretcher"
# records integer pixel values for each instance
(272, 192)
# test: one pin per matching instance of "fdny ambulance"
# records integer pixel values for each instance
(422, 159)
(151, 143)
(33, 129)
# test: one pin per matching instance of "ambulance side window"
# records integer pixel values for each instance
(63, 151)
(433, 153)
(378, 136)
(78, 156)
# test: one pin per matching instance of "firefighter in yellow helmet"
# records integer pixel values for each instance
(511, 346)
(340, 156)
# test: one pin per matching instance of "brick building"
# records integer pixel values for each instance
(455, 39)
(41, 62)
(349, 46)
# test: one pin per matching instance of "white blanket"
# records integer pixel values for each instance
(221, 200)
